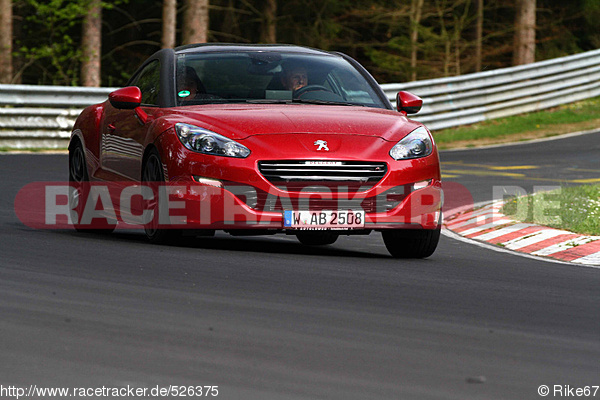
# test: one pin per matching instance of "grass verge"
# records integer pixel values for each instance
(576, 209)
(574, 117)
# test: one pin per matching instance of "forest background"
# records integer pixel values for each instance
(101, 43)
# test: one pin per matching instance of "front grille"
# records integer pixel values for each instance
(383, 202)
(293, 175)
(263, 201)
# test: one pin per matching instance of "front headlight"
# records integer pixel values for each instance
(208, 142)
(416, 144)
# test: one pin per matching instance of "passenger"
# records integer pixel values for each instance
(189, 86)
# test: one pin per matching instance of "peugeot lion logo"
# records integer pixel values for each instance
(322, 145)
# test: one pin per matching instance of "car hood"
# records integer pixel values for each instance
(242, 121)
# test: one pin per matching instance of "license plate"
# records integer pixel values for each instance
(324, 219)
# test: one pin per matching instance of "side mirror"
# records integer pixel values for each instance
(126, 98)
(408, 103)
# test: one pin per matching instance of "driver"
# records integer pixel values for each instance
(294, 77)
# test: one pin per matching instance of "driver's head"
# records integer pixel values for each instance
(294, 77)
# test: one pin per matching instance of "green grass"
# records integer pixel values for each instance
(576, 209)
(573, 117)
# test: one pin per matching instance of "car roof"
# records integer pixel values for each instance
(237, 47)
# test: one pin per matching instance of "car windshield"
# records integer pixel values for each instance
(271, 77)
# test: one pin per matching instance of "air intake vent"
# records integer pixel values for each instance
(314, 172)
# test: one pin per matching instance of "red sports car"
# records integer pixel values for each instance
(260, 139)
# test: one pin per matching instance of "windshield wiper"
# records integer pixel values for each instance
(268, 101)
(326, 102)
(305, 101)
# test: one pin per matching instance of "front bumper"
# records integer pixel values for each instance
(211, 192)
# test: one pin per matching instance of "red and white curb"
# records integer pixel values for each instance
(489, 225)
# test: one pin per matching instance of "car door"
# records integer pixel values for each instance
(123, 132)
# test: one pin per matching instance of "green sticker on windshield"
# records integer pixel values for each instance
(184, 93)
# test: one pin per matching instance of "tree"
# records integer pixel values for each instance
(453, 18)
(388, 37)
(415, 17)
(91, 45)
(269, 26)
(6, 37)
(169, 20)
(524, 39)
(478, 34)
(50, 42)
(195, 22)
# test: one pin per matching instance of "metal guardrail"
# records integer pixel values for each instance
(42, 116)
(471, 98)
(30, 117)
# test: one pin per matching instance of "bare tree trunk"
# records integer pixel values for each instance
(169, 20)
(195, 22)
(478, 35)
(416, 10)
(6, 37)
(459, 26)
(457, 56)
(441, 10)
(524, 41)
(269, 27)
(91, 43)
(447, 56)
(230, 27)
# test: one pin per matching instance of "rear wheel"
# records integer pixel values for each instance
(318, 238)
(408, 243)
(153, 174)
(80, 183)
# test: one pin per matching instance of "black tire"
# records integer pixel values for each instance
(80, 181)
(408, 243)
(318, 238)
(152, 171)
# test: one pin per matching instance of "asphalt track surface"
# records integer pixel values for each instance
(268, 318)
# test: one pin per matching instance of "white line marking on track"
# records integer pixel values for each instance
(503, 231)
(593, 260)
(590, 261)
(452, 235)
(473, 220)
(534, 238)
(566, 245)
(486, 226)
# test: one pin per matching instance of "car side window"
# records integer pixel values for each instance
(148, 80)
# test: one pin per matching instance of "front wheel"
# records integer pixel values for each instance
(153, 175)
(408, 243)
